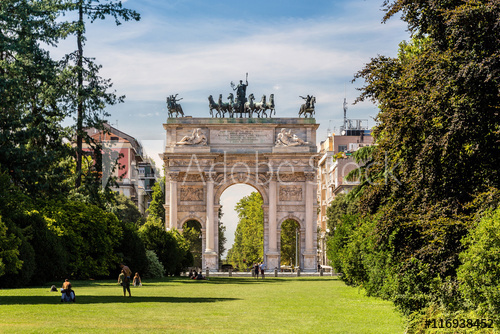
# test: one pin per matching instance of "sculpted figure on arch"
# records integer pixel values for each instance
(197, 138)
(241, 91)
(288, 139)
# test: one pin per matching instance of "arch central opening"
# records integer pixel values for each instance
(243, 221)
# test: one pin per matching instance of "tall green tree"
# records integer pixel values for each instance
(222, 235)
(89, 94)
(31, 136)
(90, 236)
(156, 208)
(288, 240)
(9, 251)
(191, 232)
(248, 244)
(438, 143)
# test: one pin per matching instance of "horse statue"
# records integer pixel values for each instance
(213, 106)
(225, 107)
(260, 107)
(308, 107)
(250, 105)
(234, 106)
(270, 106)
(173, 107)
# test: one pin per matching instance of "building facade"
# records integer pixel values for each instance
(335, 162)
(135, 173)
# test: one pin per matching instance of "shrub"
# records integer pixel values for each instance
(90, 236)
(479, 274)
(131, 249)
(171, 248)
(154, 267)
(51, 259)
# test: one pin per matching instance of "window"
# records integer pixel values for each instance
(342, 148)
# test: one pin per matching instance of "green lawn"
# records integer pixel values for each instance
(219, 305)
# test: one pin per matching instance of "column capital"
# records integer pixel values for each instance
(272, 176)
(210, 176)
(310, 176)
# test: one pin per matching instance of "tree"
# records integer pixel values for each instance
(222, 234)
(50, 254)
(131, 249)
(30, 114)
(125, 210)
(289, 241)
(88, 96)
(479, 273)
(437, 145)
(154, 267)
(248, 244)
(156, 208)
(172, 250)
(90, 236)
(191, 232)
(9, 251)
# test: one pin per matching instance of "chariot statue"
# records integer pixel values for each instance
(173, 106)
(241, 95)
(241, 104)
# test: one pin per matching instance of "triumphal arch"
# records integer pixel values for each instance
(276, 156)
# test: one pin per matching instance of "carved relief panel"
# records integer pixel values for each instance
(290, 193)
(191, 193)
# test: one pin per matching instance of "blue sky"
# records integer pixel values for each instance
(195, 48)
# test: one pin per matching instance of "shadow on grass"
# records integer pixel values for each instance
(227, 280)
(171, 279)
(185, 280)
(250, 280)
(39, 300)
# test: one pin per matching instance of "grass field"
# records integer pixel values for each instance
(219, 305)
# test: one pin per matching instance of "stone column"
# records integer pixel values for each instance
(210, 216)
(273, 252)
(173, 176)
(210, 224)
(273, 201)
(309, 252)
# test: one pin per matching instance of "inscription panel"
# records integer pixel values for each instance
(242, 137)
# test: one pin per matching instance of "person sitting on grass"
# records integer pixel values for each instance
(200, 276)
(137, 280)
(68, 295)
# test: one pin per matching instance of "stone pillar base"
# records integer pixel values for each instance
(210, 260)
(272, 261)
(310, 262)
